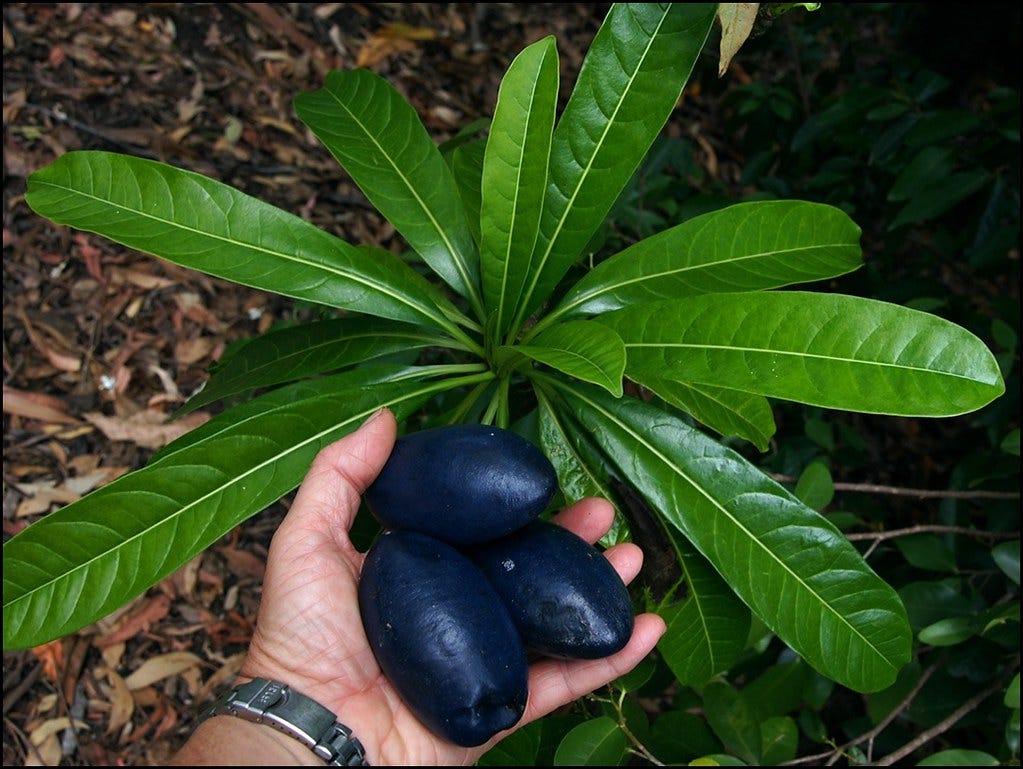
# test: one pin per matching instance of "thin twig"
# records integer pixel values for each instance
(834, 755)
(926, 736)
(900, 491)
(933, 529)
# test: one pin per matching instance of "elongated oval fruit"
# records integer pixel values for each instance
(462, 484)
(564, 596)
(442, 637)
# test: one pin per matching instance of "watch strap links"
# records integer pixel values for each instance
(282, 708)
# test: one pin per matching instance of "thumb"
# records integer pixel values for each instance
(332, 490)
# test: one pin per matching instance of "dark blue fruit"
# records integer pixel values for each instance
(442, 637)
(462, 484)
(564, 596)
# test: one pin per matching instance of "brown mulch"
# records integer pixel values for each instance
(101, 343)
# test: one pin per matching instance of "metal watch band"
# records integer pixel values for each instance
(275, 704)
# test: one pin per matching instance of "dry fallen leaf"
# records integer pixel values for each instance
(160, 667)
(36, 405)
(140, 619)
(150, 429)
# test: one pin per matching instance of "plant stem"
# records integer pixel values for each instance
(899, 491)
(467, 403)
(926, 736)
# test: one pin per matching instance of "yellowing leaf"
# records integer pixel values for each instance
(161, 667)
(736, 24)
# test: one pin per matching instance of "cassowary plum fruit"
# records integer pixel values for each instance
(462, 484)
(442, 637)
(565, 597)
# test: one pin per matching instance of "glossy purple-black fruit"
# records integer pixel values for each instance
(462, 484)
(442, 637)
(564, 596)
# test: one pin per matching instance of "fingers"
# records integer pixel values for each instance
(589, 518)
(554, 683)
(331, 492)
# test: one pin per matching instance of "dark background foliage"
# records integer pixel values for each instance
(905, 115)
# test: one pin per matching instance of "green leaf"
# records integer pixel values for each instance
(726, 412)
(515, 176)
(597, 742)
(732, 720)
(629, 83)
(779, 738)
(928, 552)
(815, 489)
(960, 757)
(467, 166)
(200, 223)
(939, 197)
(949, 632)
(829, 350)
(1010, 444)
(677, 737)
(778, 690)
(288, 354)
(364, 376)
(1011, 698)
(520, 748)
(707, 630)
(582, 349)
(79, 563)
(786, 562)
(929, 166)
(576, 479)
(1006, 556)
(745, 247)
(376, 135)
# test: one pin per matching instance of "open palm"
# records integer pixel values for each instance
(309, 633)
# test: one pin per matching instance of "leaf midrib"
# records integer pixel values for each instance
(383, 288)
(456, 256)
(518, 194)
(781, 252)
(66, 575)
(800, 354)
(724, 511)
(570, 203)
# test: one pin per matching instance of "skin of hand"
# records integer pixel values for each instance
(309, 634)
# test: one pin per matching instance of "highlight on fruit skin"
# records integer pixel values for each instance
(565, 597)
(443, 638)
(462, 484)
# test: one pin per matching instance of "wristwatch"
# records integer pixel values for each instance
(277, 705)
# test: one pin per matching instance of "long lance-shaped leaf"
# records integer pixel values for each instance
(727, 412)
(515, 176)
(629, 83)
(577, 479)
(376, 135)
(828, 350)
(209, 226)
(81, 562)
(368, 375)
(467, 167)
(582, 349)
(745, 247)
(289, 354)
(707, 629)
(707, 623)
(786, 562)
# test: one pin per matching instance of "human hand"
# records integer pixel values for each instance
(309, 634)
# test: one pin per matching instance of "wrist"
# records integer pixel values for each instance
(296, 716)
(224, 739)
